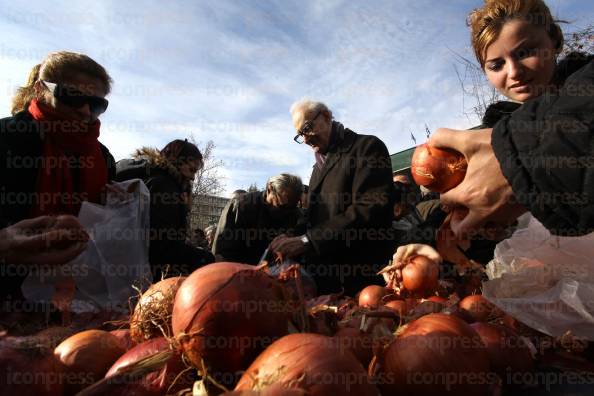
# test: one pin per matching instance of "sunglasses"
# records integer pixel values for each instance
(74, 98)
(306, 129)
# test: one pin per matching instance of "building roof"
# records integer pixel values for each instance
(402, 159)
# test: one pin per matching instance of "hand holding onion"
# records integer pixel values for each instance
(415, 267)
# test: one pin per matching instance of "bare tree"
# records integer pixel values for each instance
(581, 40)
(253, 188)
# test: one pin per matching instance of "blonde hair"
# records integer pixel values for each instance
(56, 68)
(486, 22)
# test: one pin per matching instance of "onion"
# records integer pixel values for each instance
(226, 313)
(438, 299)
(359, 343)
(478, 308)
(438, 170)
(310, 362)
(508, 353)
(435, 354)
(154, 383)
(420, 276)
(123, 336)
(29, 368)
(152, 314)
(272, 390)
(400, 306)
(87, 356)
(372, 296)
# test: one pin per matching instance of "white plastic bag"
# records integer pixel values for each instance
(116, 257)
(544, 281)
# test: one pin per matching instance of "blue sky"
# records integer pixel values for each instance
(228, 71)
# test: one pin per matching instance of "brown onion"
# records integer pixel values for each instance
(154, 383)
(508, 353)
(372, 296)
(438, 170)
(152, 314)
(29, 368)
(420, 276)
(87, 356)
(309, 362)
(435, 354)
(400, 306)
(359, 343)
(272, 390)
(478, 308)
(226, 313)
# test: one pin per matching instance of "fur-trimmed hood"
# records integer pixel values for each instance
(147, 162)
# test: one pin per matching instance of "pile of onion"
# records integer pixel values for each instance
(152, 315)
(156, 382)
(435, 354)
(508, 352)
(309, 362)
(438, 170)
(420, 276)
(225, 314)
(87, 356)
(29, 368)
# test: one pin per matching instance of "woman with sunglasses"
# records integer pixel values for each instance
(50, 158)
(537, 152)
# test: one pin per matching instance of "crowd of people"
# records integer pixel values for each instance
(532, 153)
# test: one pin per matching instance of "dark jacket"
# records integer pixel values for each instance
(168, 213)
(20, 158)
(248, 225)
(350, 212)
(546, 152)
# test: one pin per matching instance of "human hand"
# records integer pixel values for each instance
(484, 191)
(393, 273)
(286, 247)
(43, 240)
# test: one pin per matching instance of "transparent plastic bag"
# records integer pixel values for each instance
(544, 281)
(116, 256)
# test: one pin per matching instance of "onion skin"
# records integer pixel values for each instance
(372, 295)
(123, 336)
(154, 383)
(439, 170)
(272, 390)
(87, 356)
(310, 362)
(357, 342)
(477, 308)
(420, 276)
(435, 355)
(28, 369)
(225, 314)
(507, 351)
(155, 305)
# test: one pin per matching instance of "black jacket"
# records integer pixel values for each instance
(168, 213)
(247, 226)
(350, 212)
(20, 158)
(546, 152)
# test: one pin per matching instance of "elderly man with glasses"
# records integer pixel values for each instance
(348, 236)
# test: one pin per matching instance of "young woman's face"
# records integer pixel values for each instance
(521, 62)
(189, 168)
(76, 82)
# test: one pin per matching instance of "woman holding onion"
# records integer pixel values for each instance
(537, 157)
(50, 157)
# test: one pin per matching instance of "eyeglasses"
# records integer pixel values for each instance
(306, 129)
(76, 99)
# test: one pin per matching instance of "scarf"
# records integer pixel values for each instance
(337, 129)
(67, 145)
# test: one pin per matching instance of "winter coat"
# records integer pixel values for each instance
(350, 212)
(546, 152)
(247, 226)
(168, 213)
(20, 158)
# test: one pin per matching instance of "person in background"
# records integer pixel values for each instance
(348, 236)
(534, 153)
(50, 157)
(251, 221)
(168, 173)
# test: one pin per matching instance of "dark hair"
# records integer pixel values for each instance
(180, 151)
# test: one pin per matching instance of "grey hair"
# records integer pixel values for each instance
(308, 106)
(286, 182)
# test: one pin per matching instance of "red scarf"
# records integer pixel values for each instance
(64, 140)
